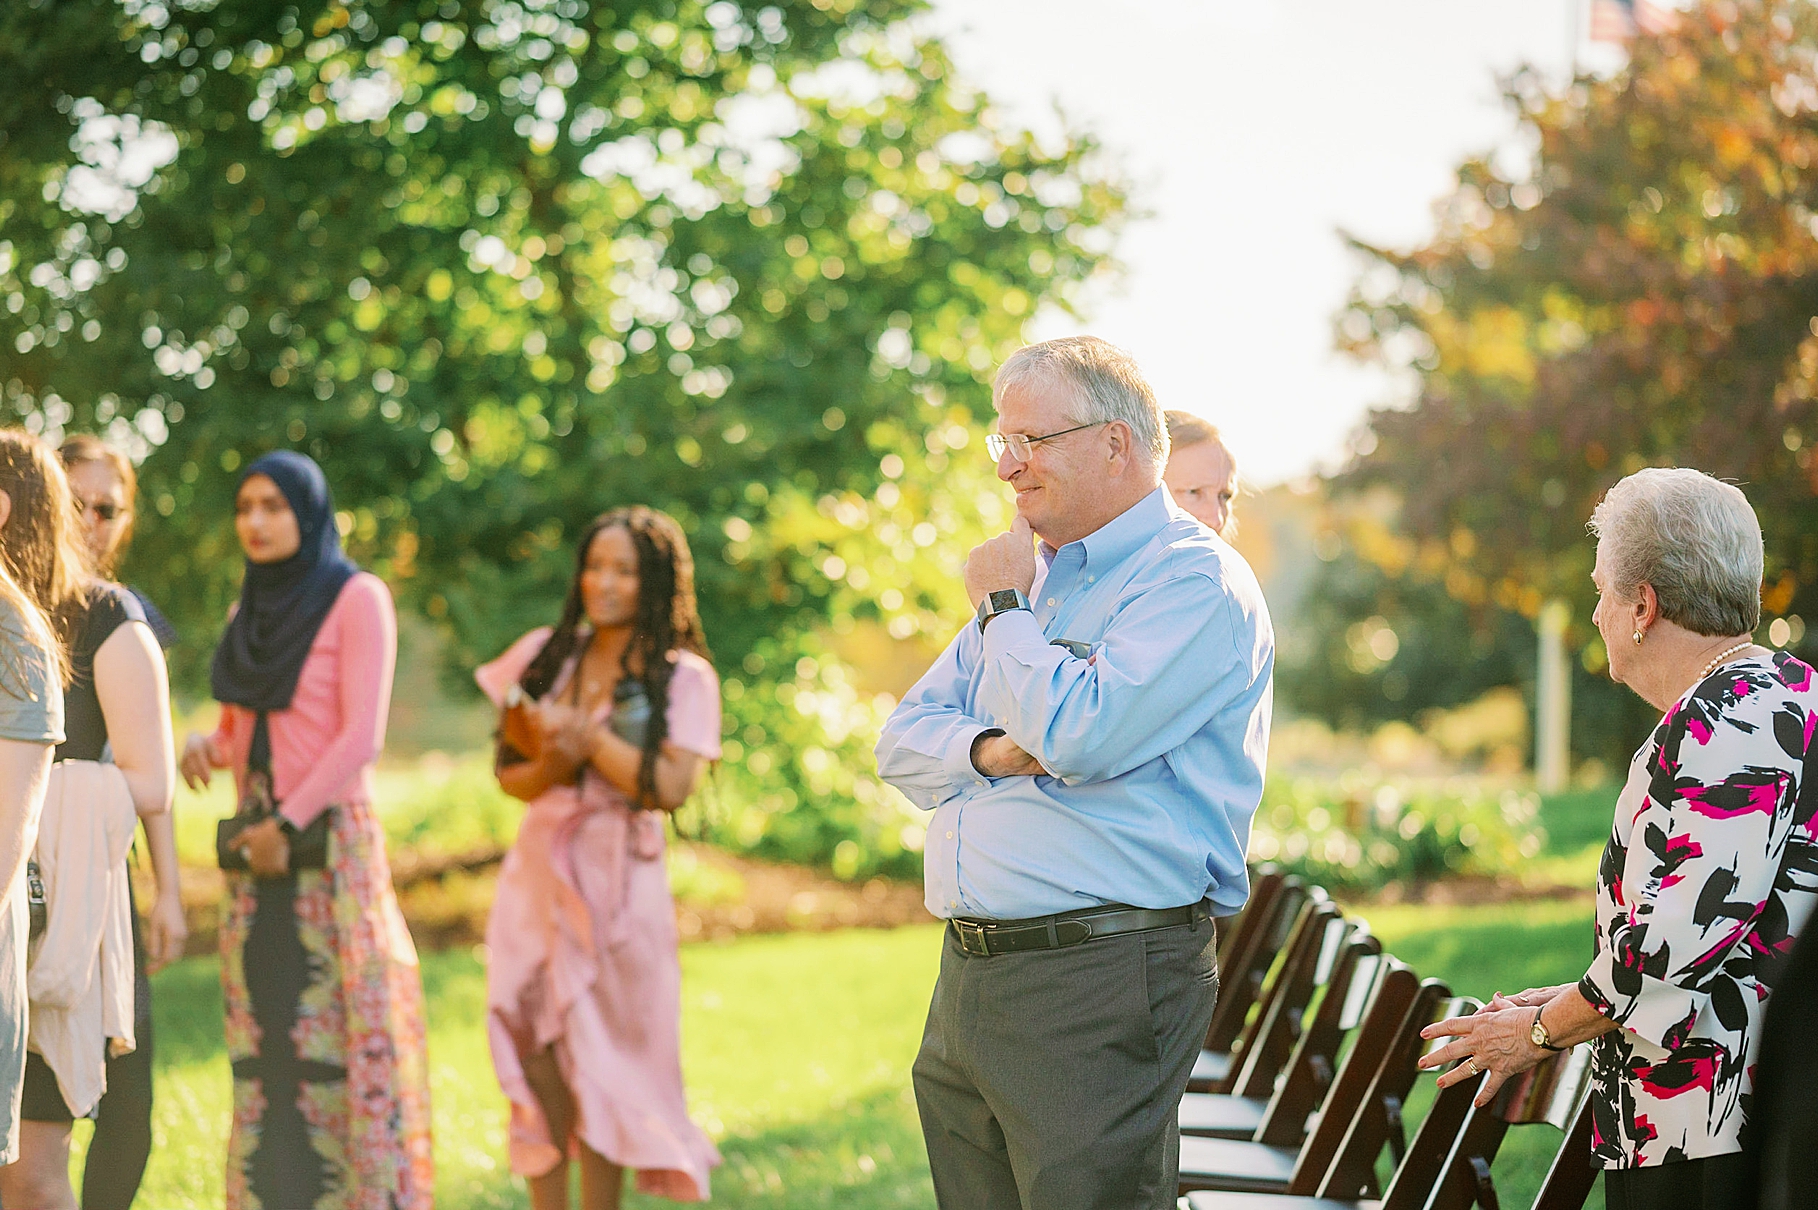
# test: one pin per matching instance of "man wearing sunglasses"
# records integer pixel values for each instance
(1092, 747)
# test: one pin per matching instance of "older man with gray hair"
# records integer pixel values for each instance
(1092, 748)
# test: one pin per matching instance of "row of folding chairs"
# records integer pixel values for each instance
(1297, 1099)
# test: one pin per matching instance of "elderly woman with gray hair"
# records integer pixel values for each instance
(1712, 865)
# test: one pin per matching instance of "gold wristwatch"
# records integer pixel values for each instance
(1537, 1034)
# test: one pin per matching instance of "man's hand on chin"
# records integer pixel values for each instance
(1006, 561)
(999, 756)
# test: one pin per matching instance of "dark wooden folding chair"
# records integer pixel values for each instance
(1269, 1035)
(1447, 1165)
(1379, 1122)
(1571, 1175)
(1371, 1081)
(1246, 981)
(1247, 948)
(1234, 932)
(1553, 1092)
(1278, 1113)
(1423, 1161)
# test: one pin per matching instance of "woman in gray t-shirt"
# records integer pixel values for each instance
(41, 582)
(31, 727)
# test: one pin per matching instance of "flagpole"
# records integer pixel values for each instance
(1572, 40)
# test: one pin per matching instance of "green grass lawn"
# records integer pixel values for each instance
(1480, 950)
(797, 1049)
(1577, 824)
(1487, 948)
(1579, 819)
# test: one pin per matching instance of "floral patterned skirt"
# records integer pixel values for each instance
(325, 1032)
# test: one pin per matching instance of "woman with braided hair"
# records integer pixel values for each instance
(609, 717)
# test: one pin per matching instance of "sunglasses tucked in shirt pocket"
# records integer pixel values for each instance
(1077, 649)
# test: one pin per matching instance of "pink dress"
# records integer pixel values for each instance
(583, 943)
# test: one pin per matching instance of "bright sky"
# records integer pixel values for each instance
(1255, 130)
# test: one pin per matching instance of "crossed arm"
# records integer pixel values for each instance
(1008, 559)
(1168, 664)
(995, 754)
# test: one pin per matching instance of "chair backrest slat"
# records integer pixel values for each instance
(1268, 1038)
(1363, 982)
(1346, 1167)
(1310, 1070)
(1330, 947)
(1549, 1092)
(1570, 1177)
(1234, 932)
(1240, 981)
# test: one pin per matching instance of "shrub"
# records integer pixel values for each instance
(1359, 835)
(798, 782)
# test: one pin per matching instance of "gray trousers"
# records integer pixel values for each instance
(1051, 1080)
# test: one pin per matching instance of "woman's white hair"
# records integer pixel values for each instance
(1694, 538)
(1108, 385)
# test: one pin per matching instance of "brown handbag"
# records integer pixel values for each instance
(519, 739)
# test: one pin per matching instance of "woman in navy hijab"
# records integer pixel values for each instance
(324, 1001)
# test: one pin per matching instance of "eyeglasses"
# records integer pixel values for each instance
(101, 509)
(1021, 445)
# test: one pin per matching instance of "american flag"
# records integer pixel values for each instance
(1620, 20)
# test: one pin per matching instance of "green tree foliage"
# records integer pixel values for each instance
(1641, 293)
(1383, 637)
(1380, 638)
(501, 265)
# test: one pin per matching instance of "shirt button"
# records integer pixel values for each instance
(949, 836)
(1091, 579)
(1050, 600)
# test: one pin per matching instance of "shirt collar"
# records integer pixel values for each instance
(1119, 538)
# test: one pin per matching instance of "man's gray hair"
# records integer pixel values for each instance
(1105, 380)
(1694, 538)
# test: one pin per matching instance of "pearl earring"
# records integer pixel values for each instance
(1638, 638)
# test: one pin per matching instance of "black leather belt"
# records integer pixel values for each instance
(986, 938)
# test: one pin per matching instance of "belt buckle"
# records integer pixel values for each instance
(971, 932)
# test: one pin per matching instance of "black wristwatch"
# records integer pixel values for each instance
(1002, 601)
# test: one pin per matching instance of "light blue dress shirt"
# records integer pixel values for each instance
(1155, 747)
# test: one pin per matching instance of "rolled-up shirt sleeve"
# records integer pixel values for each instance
(926, 746)
(1704, 851)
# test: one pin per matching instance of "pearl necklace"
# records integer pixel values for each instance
(1724, 655)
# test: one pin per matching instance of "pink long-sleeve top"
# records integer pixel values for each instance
(324, 744)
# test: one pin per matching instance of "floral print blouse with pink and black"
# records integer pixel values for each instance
(1710, 873)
